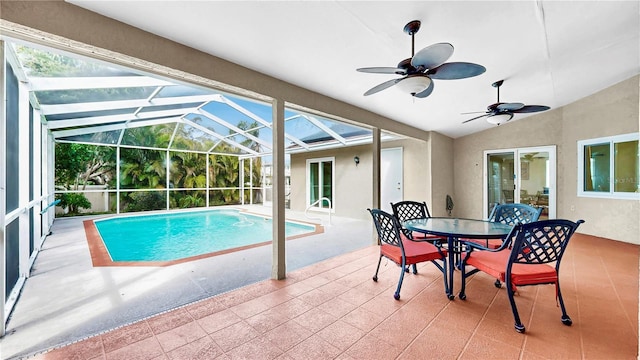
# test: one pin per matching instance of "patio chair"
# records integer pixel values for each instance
(397, 247)
(509, 214)
(524, 259)
(409, 210)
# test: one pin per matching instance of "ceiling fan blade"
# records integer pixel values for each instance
(456, 70)
(475, 118)
(532, 108)
(426, 92)
(510, 106)
(473, 112)
(432, 56)
(382, 86)
(383, 70)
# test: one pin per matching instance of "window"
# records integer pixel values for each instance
(608, 167)
(320, 183)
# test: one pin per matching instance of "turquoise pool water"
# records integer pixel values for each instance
(166, 237)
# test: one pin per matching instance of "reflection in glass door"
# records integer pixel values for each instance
(535, 178)
(500, 184)
(530, 180)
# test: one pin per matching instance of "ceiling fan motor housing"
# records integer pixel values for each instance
(493, 107)
(405, 64)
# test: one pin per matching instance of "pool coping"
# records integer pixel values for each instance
(100, 256)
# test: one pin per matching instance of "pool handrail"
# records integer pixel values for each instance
(306, 211)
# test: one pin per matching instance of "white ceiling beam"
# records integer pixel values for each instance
(333, 144)
(293, 138)
(297, 141)
(260, 120)
(246, 112)
(12, 58)
(112, 127)
(149, 98)
(220, 137)
(86, 130)
(79, 83)
(324, 128)
(102, 120)
(120, 104)
(234, 128)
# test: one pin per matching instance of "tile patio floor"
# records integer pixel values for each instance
(333, 310)
(67, 299)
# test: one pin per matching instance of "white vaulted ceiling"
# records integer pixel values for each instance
(549, 52)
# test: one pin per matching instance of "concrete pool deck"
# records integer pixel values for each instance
(66, 299)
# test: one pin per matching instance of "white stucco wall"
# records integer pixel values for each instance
(612, 111)
(354, 184)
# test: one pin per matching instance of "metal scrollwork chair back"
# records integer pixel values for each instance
(397, 247)
(531, 255)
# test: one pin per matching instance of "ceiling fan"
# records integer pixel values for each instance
(420, 69)
(499, 112)
(529, 157)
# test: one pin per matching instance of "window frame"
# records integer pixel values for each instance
(319, 161)
(611, 194)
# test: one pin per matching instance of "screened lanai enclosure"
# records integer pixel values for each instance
(82, 136)
(132, 142)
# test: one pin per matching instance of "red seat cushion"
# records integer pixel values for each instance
(488, 243)
(495, 264)
(422, 236)
(415, 251)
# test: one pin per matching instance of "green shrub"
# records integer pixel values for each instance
(144, 201)
(73, 202)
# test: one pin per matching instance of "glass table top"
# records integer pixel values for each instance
(469, 228)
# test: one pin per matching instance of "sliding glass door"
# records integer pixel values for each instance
(529, 180)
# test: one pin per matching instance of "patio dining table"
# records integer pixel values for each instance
(454, 229)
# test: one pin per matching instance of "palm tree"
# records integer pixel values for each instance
(142, 168)
(188, 170)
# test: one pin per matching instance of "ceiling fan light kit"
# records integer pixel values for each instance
(414, 84)
(421, 68)
(498, 119)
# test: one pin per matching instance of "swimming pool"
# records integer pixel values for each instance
(173, 236)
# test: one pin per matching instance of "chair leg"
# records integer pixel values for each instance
(375, 277)
(565, 318)
(443, 269)
(518, 324)
(397, 294)
(445, 277)
(463, 282)
(415, 269)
